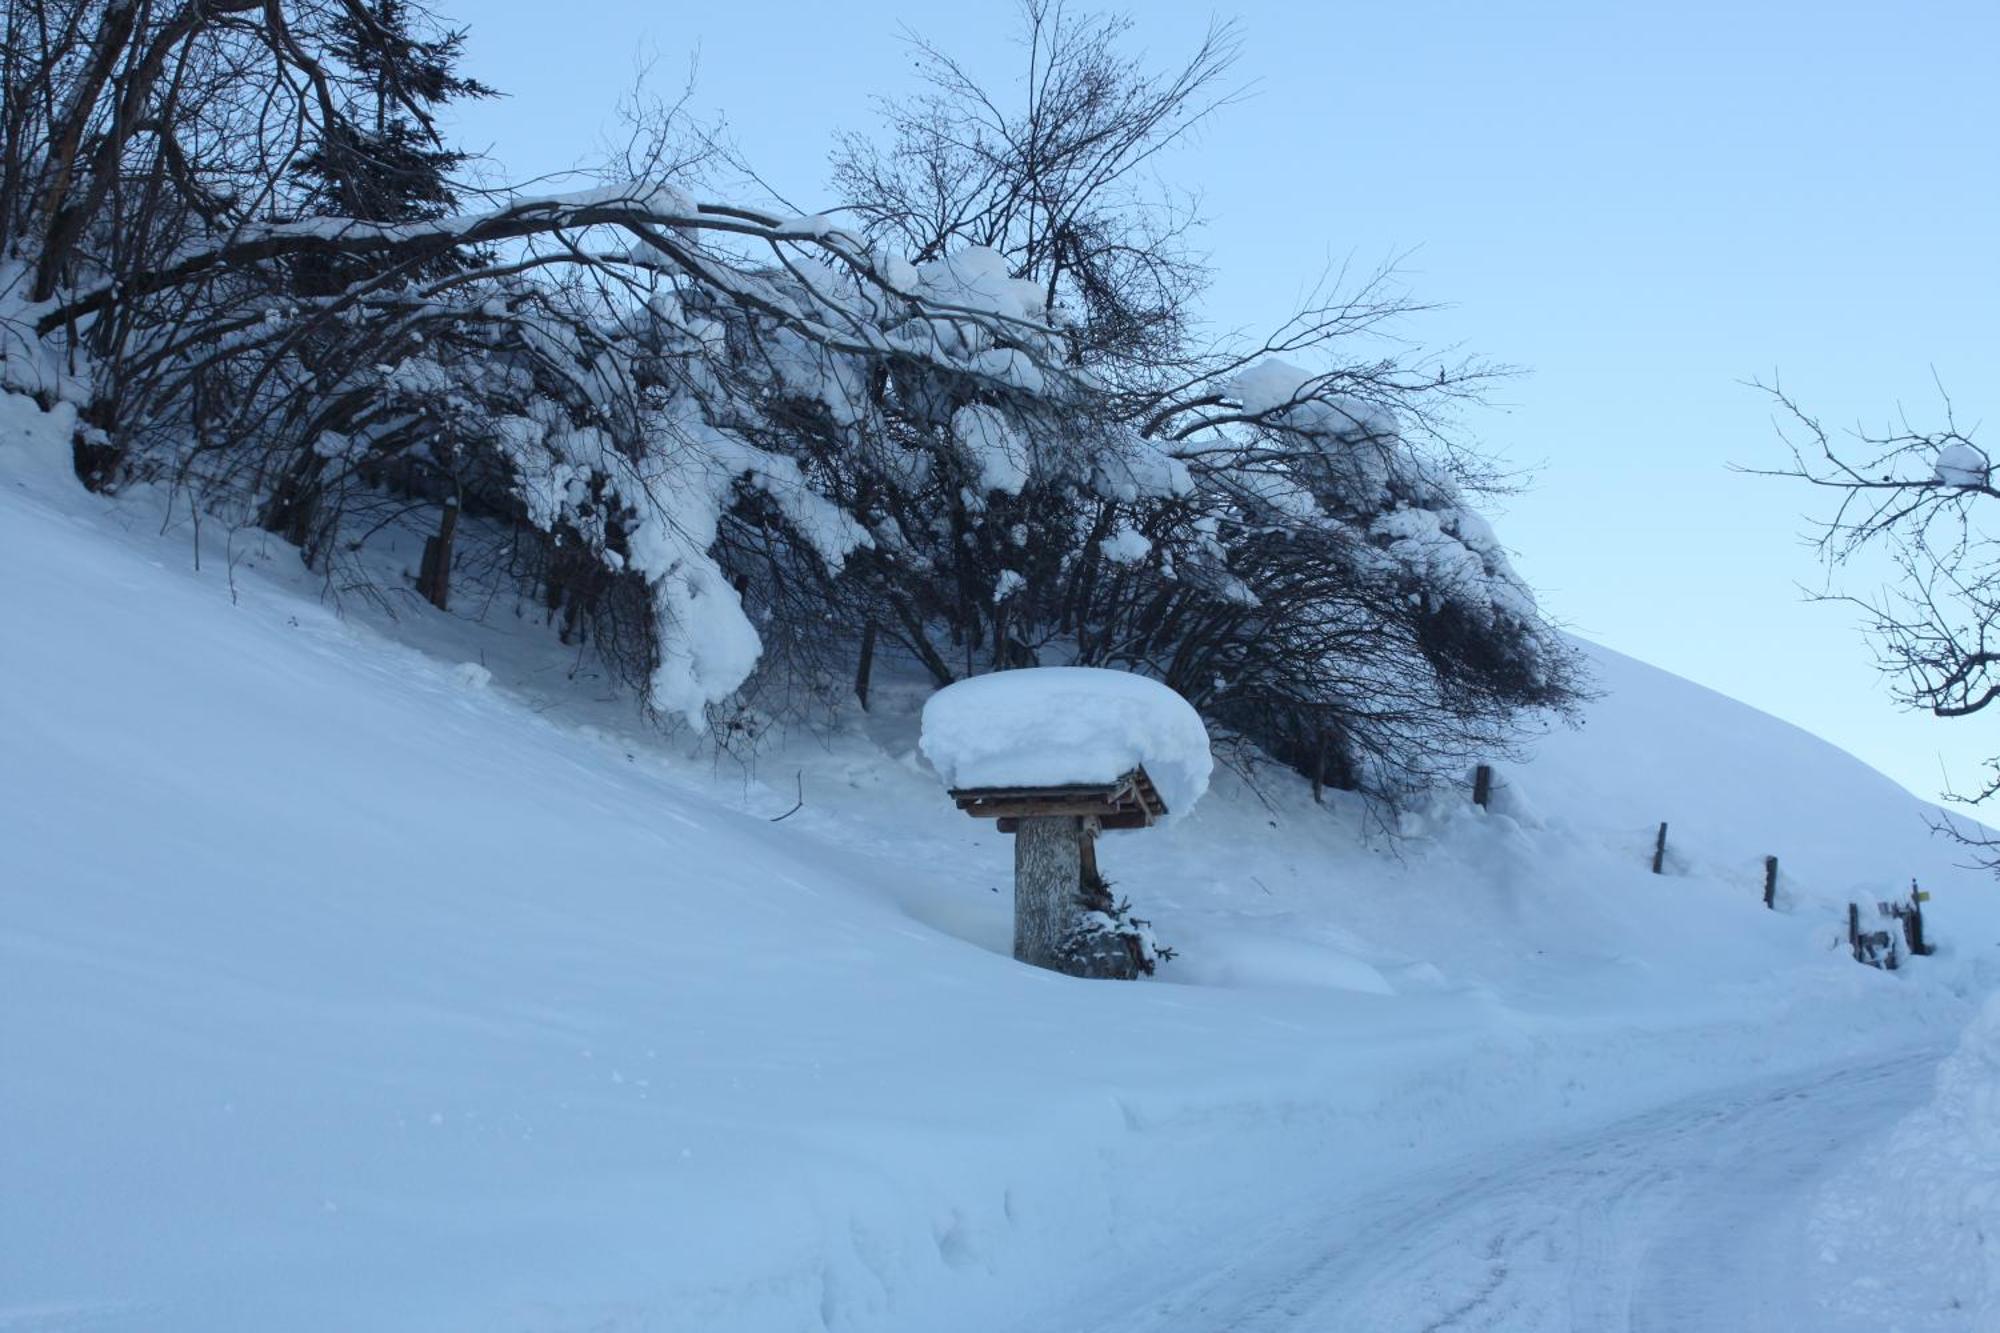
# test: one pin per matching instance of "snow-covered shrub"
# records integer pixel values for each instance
(1296, 551)
(711, 438)
(1108, 941)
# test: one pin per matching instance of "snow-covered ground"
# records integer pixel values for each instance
(358, 974)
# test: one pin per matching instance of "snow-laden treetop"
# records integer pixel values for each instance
(1058, 726)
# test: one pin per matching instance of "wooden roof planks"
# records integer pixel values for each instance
(1130, 802)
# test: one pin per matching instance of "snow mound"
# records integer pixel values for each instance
(1961, 465)
(1058, 726)
(543, 1025)
(1280, 389)
(979, 278)
(1916, 1231)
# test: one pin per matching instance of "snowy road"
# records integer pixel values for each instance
(1690, 1218)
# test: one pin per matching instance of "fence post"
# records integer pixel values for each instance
(866, 665)
(1854, 930)
(434, 573)
(1482, 785)
(1660, 848)
(1771, 882)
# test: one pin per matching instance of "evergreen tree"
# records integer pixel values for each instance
(380, 157)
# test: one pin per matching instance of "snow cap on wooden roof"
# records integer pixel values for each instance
(1068, 736)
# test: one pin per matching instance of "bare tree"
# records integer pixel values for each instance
(1058, 176)
(1921, 501)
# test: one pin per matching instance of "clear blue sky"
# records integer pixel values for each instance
(1641, 204)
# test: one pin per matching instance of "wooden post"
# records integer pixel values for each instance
(1854, 929)
(1771, 882)
(1482, 785)
(1660, 848)
(1048, 866)
(1913, 924)
(862, 672)
(434, 575)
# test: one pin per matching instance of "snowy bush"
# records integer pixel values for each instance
(1107, 940)
(712, 438)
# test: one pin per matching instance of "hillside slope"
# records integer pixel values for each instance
(348, 983)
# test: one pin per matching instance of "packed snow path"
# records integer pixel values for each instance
(1688, 1219)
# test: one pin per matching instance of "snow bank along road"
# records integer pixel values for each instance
(1691, 1218)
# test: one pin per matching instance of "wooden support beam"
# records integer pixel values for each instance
(1117, 819)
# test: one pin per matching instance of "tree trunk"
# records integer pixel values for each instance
(867, 666)
(289, 513)
(1048, 866)
(434, 576)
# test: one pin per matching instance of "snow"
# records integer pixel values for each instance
(1268, 385)
(1682, 1218)
(978, 278)
(1127, 546)
(1061, 726)
(1273, 387)
(1138, 467)
(1925, 1203)
(707, 646)
(1961, 465)
(343, 986)
(995, 449)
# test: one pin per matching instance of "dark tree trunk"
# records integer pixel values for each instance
(867, 665)
(434, 578)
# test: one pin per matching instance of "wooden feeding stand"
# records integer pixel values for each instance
(1055, 828)
(1035, 749)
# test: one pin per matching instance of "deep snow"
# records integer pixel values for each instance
(358, 974)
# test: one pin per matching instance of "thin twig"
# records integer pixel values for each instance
(801, 804)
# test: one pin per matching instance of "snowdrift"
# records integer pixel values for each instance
(370, 975)
(1925, 1205)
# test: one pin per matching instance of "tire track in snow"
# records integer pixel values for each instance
(1684, 1219)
